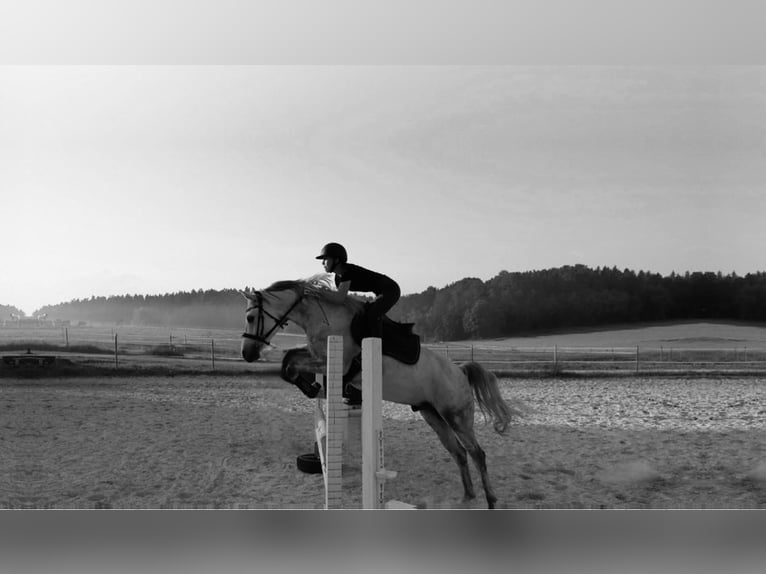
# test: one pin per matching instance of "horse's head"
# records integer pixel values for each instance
(305, 302)
(267, 311)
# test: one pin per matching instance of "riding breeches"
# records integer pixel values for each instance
(375, 310)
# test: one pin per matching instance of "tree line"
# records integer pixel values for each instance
(508, 304)
(210, 309)
(578, 296)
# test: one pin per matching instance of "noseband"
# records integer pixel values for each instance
(279, 322)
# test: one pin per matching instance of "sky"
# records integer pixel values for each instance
(156, 179)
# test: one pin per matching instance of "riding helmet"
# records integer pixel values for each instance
(334, 251)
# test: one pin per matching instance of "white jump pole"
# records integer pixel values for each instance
(374, 472)
(330, 422)
(372, 425)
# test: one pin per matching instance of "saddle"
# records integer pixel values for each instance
(398, 340)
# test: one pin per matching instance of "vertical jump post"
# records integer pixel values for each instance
(374, 473)
(332, 419)
(330, 423)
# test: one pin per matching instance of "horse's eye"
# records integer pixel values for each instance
(250, 318)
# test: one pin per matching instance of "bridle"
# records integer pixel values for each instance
(279, 322)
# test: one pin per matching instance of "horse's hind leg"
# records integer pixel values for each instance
(451, 443)
(462, 425)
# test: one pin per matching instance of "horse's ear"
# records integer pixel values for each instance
(248, 294)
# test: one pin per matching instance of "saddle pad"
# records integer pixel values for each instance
(399, 342)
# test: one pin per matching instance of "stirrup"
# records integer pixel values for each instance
(351, 395)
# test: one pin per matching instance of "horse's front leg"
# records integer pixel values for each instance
(300, 367)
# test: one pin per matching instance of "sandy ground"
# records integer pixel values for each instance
(232, 442)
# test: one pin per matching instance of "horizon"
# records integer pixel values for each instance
(184, 291)
(150, 179)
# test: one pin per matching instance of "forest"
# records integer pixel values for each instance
(577, 296)
(210, 308)
(508, 304)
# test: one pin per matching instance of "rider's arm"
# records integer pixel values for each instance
(341, 293)
(338, 295)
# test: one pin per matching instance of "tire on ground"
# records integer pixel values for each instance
(309, 463)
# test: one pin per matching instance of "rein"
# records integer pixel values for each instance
(279, 322)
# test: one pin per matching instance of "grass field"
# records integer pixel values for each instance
(689, 333)
(703, 335)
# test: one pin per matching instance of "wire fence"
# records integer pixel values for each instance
(220, 349)
(635, 359)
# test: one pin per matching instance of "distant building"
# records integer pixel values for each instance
(29, 322)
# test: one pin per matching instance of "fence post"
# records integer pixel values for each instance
(115, 351)
(66, 336)
(637, 363)
(212, 351)
(555, 358)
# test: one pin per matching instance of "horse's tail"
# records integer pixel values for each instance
(487, 393)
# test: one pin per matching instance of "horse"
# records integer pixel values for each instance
(442, 392)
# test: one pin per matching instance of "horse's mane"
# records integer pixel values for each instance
(317, 285)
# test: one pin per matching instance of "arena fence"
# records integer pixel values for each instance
(637, 359)
(219, 349)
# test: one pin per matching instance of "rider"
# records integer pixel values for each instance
(350, 277)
